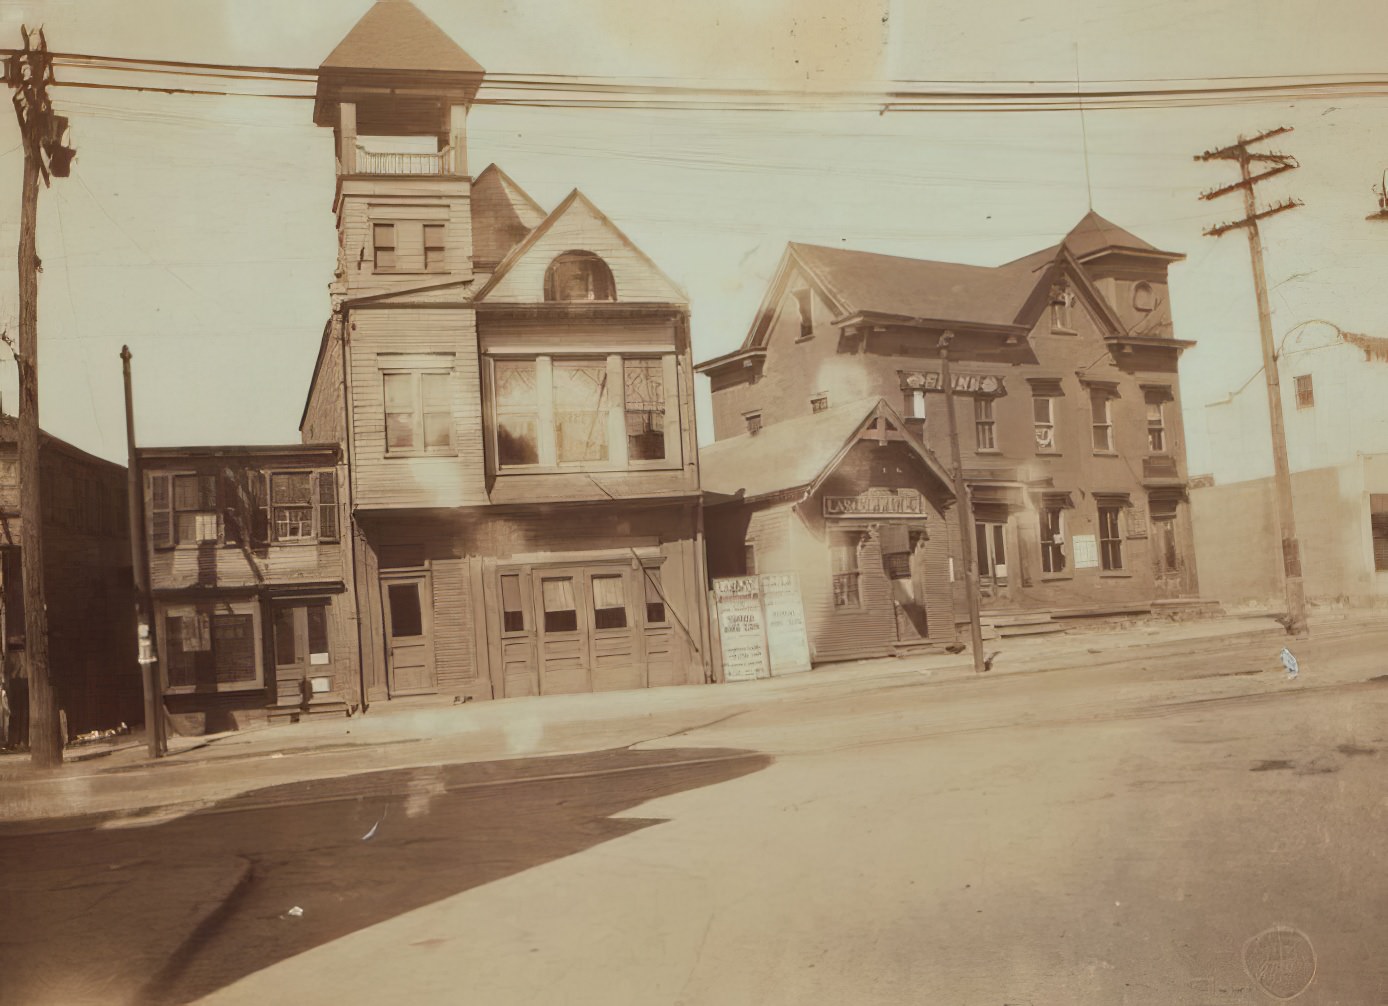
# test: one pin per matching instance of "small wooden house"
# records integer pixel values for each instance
(251, 612)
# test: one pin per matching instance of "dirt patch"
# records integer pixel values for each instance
(1274, 765)
(1350, 750)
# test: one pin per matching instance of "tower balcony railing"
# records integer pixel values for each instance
(396, 162)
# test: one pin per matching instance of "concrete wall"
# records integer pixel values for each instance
(1236, 536)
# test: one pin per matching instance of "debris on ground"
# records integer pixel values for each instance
(1289, 662)
(92, 736)
(296, 911)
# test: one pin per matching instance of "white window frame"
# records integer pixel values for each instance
(1101, 395)
(1044, 430)
(1157, 444)
(618, 458)
(985, 426)
(419, 449)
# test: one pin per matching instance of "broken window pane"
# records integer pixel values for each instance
(645, 408)
(580, 410)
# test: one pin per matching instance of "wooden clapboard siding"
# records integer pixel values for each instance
(430, 481)
(214, 565)
(932, 580)
(578, 226)
(439, 199)
(324, 416)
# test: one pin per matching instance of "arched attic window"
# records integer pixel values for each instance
(579, 275)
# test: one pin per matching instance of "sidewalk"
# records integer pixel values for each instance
(123, 787)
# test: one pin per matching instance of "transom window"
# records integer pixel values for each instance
(609, 602)
(419, 412)
(1100, 405)
(1043, 422)
(594, 412)
(581, 276)
(984, 428)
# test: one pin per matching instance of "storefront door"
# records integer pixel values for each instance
(409, 610)
(992, 558)
(301, 649)
(1166, 557)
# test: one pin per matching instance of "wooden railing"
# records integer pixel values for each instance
(404, 163)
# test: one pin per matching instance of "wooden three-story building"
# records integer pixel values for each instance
(512, 392)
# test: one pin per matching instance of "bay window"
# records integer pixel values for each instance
(594, 413)
(419, 413)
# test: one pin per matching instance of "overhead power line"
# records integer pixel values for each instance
(667, 94)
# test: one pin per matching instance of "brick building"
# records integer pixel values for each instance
(512, 389)
(1068, 401)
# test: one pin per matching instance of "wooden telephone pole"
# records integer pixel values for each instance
(1286, 517)
(29, 72)
(963, 505)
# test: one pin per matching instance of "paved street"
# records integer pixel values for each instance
(1186, 825)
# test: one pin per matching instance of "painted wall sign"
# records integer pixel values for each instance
(971, 384)
(741, 628)
(788, 642)
(905, 504)
(1086, 551)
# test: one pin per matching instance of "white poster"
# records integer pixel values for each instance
(741, 629)
(788, 643)
(1086, 551)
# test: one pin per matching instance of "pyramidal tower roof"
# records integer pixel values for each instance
(1094, 235)
(396, 35)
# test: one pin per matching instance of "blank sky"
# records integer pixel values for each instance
(199, 230)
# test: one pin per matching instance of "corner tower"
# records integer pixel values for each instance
(396, 92)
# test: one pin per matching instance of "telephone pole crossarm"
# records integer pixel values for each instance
(1248, 221)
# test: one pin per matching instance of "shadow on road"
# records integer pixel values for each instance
(173, 911)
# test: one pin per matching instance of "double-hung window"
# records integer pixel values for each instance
(1156, 427)
(589, 412)
(409, 245)
(1052, 540)
(1101, 409)
(1043, 422)
(984, 427)
(418, 412)
(1110, 538)
(195, 508)
(292, 505)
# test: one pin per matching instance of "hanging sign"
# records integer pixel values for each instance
(788, 644)
(969, 384)
(741, 628)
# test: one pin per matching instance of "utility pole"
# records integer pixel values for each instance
(964, 507)
(139, 564)
(29, 72)
(1286, 518)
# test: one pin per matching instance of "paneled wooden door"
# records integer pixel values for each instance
(408, 599)
(615, 643)
(561, 602)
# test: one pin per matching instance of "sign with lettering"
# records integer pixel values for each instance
(741, 628)
(788, 644)
(903, 503)
(1085, 548)
(967, 384)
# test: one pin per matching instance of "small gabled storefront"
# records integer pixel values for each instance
(858, 508)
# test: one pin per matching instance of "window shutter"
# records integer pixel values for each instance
(325, 493)
(160, 512)
(260, 508)
(232, 508)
